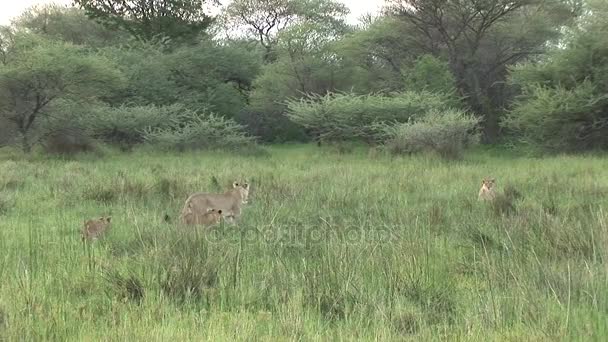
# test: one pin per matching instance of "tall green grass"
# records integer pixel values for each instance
(331, 246)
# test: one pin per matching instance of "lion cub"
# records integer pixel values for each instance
(93, 229)
(488, 190)
(211, 217)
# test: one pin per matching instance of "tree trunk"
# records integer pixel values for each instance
(25, 143)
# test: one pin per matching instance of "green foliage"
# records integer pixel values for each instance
(559, 119)
(305, 63)
(148, 19)
(264, 20)
(379, 52)
(447, 133)
(214, 75)
(481, 39)
(563, 105)
(347, 116)
(209, 75)
(125, 126)
(149, 77)
(40, 72)
(199, 131)
(431, 74)
(68, 24)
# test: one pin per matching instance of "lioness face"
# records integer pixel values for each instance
(92, 228)
(488, 183)
(243, 189)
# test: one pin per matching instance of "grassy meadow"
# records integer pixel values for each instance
(332, 246)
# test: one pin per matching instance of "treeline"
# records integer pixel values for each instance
(423, 75)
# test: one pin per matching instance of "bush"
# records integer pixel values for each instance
(563, 106)
(126, 126)
(347, 116)
(271, 126)
(199, 131)
(67, 142)
(447, 133)
(432, 74)
(559, 119)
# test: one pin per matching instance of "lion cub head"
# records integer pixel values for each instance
(211, 217)
(488, 189)
(243, 190)
(94, 228)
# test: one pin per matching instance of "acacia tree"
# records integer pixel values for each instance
(481, 39)
(146, 19)
(265, 19)
(41, 72)
(69, 24)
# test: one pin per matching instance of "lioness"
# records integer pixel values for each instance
(211, 217)
(488, 190)
(229, 202)
(93, 229)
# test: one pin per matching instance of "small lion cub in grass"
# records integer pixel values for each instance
(93, 229)
(211, 217)
(488, 190)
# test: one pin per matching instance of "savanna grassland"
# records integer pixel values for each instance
(332, 246)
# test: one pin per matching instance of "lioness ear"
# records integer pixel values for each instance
(235, 184)
(109, 218)
(245, 185)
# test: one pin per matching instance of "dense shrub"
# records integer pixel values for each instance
(561, 119)
(350, 117)
(563, 106)
(124, 126)
(67, 142)
(199, 131)
(447, 133)
(8, 131)
(270, 126)
(429, 73)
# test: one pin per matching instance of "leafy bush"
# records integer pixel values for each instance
(348, 116)
(560, 119)
(563, 106)
(432, 74)
(199, 131)
(125, 126)
(67, 142)
(447, 133)
(271, 126)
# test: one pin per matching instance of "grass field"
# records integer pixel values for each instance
(331, 247)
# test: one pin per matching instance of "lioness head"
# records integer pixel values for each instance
(100, 222)
(243, 189)
(93, 228)
(488, 183)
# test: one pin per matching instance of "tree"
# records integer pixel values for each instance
(264, 19)
(563, 104)
(69, 24)
(481, 39)
(381, 49)
(7, 36)
(147, 19)
(41, 72)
